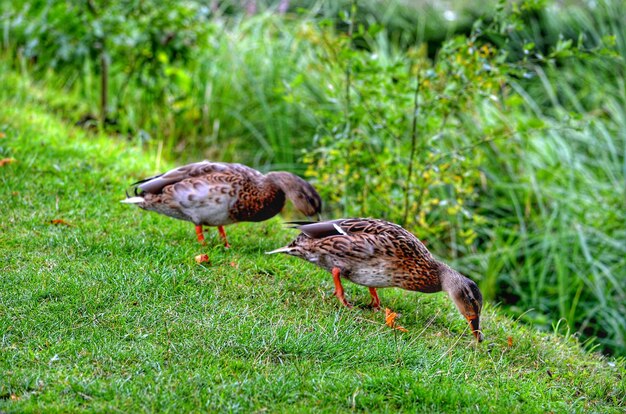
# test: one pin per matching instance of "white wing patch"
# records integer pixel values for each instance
(133, 200)
(339, 229)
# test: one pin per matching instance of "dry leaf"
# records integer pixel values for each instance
(509, 341)
(59, 222)
(390, 317)
(202, 258)
(2, 135)
(5, 161)
(14, 397)
(390, 320)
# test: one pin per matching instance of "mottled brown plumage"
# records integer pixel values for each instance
(216, 194)
(376, 254)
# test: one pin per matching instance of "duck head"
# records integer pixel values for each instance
(302, 194)
(466, 295)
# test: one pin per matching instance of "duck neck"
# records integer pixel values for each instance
(451, 280)
(280, 180)
(302, 194)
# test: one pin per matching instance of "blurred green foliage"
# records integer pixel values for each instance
(177, 73)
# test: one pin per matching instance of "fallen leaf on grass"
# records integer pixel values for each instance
(390, 320)
(202, 258)
(509, 341)
(14, 397)
(5, 161)
(2, 135)
(60, 222)
(390, 317)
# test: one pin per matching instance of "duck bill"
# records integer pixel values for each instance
(475, 324)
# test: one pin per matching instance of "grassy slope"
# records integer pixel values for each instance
(112, 313)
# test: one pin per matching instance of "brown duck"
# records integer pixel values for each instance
(216, 194)
(376, 254)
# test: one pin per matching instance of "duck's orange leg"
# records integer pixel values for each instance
(200, 234)
(220, 229)
(375, 303)
(339, 288)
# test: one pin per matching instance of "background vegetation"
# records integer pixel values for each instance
(498, 135)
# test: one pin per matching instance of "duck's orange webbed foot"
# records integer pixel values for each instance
(339, 288)
(222, 232)
(375, 303)
(200, 234)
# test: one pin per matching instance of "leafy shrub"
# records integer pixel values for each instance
(400, 141)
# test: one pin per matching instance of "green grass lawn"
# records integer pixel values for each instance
(111, 313)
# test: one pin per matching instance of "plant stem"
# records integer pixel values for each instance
(349, 68)
(348, 126)
(100, 44)
(409, 175)
(104, 85)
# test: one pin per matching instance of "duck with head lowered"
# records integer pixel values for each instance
(377, 254)
(217, 194)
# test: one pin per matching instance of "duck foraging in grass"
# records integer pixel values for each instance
(217, 194)
(376, 254)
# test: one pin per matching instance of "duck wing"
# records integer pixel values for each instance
(347, 227)
(365, 236)
(156, 184)
(321, 229)
(336, 237)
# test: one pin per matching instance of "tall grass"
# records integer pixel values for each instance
(234, 104)
(576, 189)
(556, 247)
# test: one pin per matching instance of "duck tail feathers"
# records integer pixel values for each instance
(297, 223)
(133, 200)
(286, 249)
